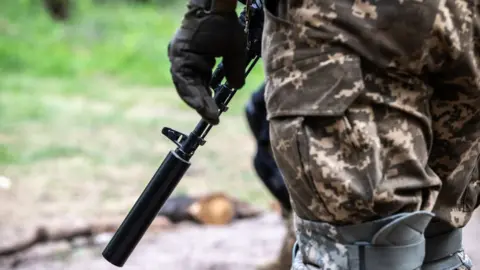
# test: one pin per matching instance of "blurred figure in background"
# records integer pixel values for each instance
(58, 10)
(267, 170)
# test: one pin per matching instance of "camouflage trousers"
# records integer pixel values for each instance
(374, 109)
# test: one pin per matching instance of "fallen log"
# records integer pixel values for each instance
(69, 232)
(214, 209)
(211, 209)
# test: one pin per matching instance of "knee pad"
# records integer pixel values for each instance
(394, 243)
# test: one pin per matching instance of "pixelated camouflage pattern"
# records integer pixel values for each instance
(467, 262)
(374, 107)
(320, 246)
(465, 259)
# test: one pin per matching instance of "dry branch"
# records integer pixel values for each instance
(216, 208)
(69, 232)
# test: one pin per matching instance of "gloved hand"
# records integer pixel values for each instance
(203, 36)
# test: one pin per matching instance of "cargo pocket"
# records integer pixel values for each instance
(289, 146)
(308, 72)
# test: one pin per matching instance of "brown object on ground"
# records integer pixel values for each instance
(68, 232)
(214, 209)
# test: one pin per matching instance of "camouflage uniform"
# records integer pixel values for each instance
(374, 120)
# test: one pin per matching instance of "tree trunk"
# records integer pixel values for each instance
(59, 10)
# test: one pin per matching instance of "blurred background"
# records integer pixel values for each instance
(85, 90)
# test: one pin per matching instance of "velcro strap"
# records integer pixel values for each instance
(387, 257)
(448, 263)
(444, 245)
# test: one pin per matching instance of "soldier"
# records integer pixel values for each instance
(267, 170)
(374, 112)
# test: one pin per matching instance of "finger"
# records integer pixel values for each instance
(196, 95)
(235, 70)
(198, 99)
(191, 74)
(210, 112)
(188, 91)
(193, 67)
(235, 64)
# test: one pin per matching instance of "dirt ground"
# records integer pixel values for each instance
(102, 178)
(242, 246)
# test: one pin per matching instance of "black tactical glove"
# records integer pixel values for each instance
(207, 32)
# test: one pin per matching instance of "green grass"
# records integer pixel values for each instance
(82, 105)
(121, 40)
(113, 52)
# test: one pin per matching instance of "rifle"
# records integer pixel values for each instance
(176, 163)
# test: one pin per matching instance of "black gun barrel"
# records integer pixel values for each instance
(177, 162)
(145, 209)
(164, 181)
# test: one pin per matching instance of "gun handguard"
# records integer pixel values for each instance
(177, 162)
